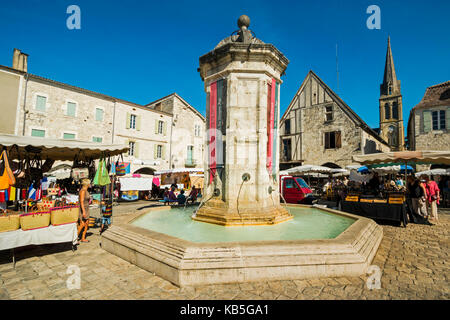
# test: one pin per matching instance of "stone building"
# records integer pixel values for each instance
(429, 121)
(391, 107)
(36, 106)
(186, 130)
(319, 128)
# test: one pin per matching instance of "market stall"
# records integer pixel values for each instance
(132, 186)
(43, 211)
(390, 201)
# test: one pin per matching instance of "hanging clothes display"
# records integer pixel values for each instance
(6, 177)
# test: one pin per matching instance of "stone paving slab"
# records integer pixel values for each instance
(414, 263)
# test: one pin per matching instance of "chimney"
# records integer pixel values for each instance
(20, 60)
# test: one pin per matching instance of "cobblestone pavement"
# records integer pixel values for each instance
(414, 262)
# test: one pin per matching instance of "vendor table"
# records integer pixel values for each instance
(384, 211)
(51, 234)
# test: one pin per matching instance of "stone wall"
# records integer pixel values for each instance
(182, 131)
(433, 140)
(145, 136)
(55, 121)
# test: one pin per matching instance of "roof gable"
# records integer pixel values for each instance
(339, 102)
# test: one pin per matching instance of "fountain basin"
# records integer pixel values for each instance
(182, 252)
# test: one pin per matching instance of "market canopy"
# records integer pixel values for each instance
(180, 170)
(435, 172)
(57, 149)
(302, 170)
(401, 157)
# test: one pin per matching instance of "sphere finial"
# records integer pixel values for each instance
(243, 21)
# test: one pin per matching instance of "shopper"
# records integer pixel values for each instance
(83, 198)
(417, 193)
(432, 198)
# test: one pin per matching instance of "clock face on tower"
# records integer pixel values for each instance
(391, 129)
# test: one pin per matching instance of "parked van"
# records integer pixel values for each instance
(295, 190)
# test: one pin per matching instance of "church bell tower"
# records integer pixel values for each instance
(391, 110)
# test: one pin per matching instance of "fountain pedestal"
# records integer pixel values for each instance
(242, 81)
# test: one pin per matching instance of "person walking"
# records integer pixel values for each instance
(417, 192)
(432, 198)
(83, 218)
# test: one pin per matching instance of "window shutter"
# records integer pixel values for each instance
(136, 150)
(156, 126)
(128, 120)
(41, 103)
(71, 109)
(163, 152)
(338, 139)
(426, 121)
(155, 151)
(164, 128)
(447, 119)
(138, 123)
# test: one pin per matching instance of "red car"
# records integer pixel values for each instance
(295, 190)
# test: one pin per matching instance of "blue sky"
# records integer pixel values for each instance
(143, 50)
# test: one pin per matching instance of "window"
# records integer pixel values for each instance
(302, 183)
(97, 139)
(390, 90)
(190, 154)
(289, 183)
(438, 118)
(286, 149)
(197, 130)
(159, 151)
(395, 110)
(37, 133)
(71, 109)
(98, 114)
(160, 126)
(41, 103)
(287, 126)
(69, 136)
(387, 111)
(131, 145)
(133, 121)
(332, 140)
(329, 113)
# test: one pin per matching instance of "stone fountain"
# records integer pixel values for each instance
(242, 78)
(242, 81)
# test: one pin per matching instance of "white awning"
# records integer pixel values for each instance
(58, 149)
(190, 170)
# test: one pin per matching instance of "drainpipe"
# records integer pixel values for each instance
(170, 143)
(25, 104)
(114, 122)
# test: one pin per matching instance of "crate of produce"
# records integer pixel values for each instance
(34, 220)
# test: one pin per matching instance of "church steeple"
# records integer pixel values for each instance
(390, 85)
(391, 108)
